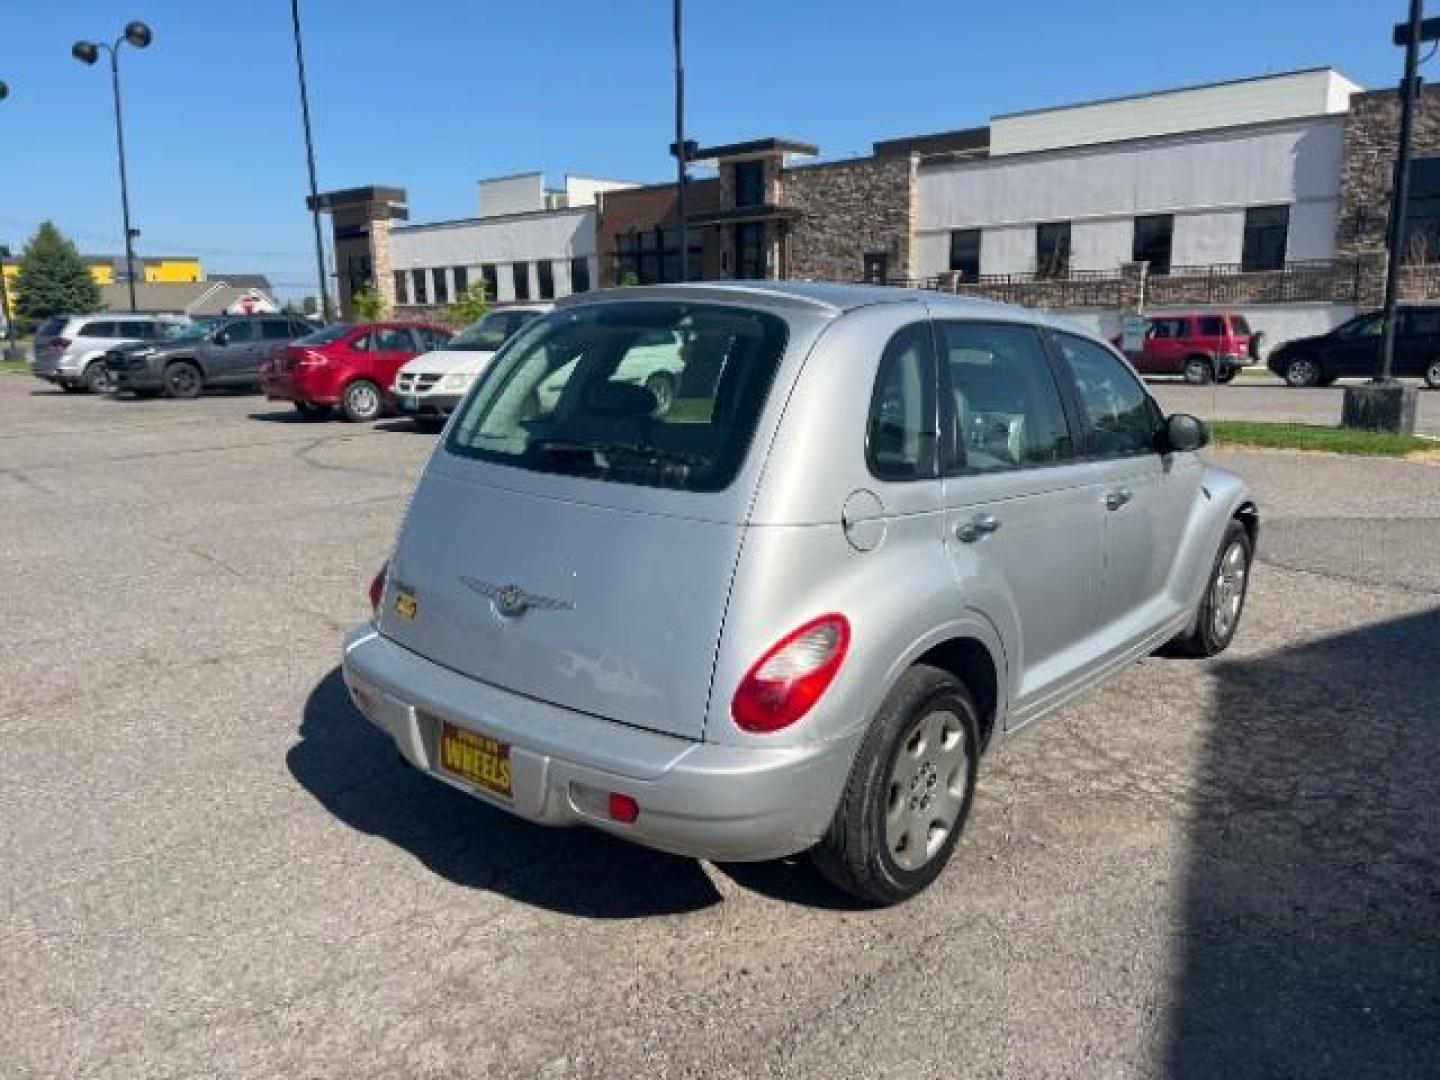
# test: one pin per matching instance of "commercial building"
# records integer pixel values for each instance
(1267, 194)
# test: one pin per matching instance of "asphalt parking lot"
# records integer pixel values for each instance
(213, 867)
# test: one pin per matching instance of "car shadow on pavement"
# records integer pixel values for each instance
(1310, 943)
(355, 773)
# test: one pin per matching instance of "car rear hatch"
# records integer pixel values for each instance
(594, 579)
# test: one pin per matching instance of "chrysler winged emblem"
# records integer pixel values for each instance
(512, 601)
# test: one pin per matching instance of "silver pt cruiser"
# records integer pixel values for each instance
(789, 608)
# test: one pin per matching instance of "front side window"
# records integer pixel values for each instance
(1363, 327)
(326, 335)
(1120, 419)
(239, 333)
(901, 436)
(647, 393)
(1152, 242)
(276, 330)
(1007, 412)
(965, 253)
(1168, 329)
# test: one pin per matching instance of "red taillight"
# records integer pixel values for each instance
(787, 681)
(58, 343)
(377, 589)
(311, 358)
(623, 808)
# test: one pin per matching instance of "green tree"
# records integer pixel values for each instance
(470, 306)
(368, 305)
(53, 279)
(628, 278)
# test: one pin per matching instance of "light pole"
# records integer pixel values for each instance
(9, 351)
(310, 161)
(138, 35)
(680, 149)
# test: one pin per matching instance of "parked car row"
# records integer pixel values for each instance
(1213, 346)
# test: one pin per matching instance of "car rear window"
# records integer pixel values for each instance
(1238, 325)
(649, 393)
(50, 328)
(324, 336)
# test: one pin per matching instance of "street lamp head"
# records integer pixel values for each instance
(138, 34)
(87, 52)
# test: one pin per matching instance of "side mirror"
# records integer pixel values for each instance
(1185, 433)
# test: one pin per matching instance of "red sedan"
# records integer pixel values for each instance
(349, 366)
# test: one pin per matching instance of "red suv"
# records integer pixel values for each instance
(349, 366)
(1203, 346)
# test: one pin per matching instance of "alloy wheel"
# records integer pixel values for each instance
(1227, 592)
(1302, 371)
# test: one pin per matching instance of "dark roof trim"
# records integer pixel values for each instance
(941, 142)
(753, 148)
(766, 212)
(394, 197)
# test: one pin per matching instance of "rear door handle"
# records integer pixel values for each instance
(967, 532)
(1114, 500)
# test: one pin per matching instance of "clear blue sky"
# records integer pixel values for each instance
(435, 94)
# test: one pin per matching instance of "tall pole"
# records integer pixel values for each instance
(310, 162)
(680, 142)
(124, 182)
(1402, 194)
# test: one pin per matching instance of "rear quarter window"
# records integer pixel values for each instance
(657, 394)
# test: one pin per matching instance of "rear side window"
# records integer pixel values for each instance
(648, 393)
(1120, 419)
(98, 330)
(901, 436)
(1007, 412)
(50, 328)
(1212, 326)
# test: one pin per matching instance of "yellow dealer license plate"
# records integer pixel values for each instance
(476, 759)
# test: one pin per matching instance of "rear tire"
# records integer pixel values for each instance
(183, 381)
(1302, 372)
(909, 792)
(361, 401)
(96, 379)
(1218, 616)
(1199, 371)
(1228, 375)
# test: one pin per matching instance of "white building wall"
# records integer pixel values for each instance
(1248, 101)
(1007, 251)
(1213, 236)
(1213, 175)
(556, 236)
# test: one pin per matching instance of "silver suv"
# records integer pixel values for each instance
(70, 350)
(875, 531)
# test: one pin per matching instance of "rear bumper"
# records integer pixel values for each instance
(727, 803)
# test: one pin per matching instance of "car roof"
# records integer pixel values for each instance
(822, 296)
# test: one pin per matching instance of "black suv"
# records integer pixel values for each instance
(227, 352)
(1353, 349)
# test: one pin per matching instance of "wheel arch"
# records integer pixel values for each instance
(970, 661)
(186, 358)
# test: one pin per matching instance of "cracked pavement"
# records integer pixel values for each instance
(210, 866)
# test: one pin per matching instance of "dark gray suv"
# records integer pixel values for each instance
(227, 353)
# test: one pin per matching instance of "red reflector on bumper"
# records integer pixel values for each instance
(623, 808)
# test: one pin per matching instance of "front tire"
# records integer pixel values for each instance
(361, 401)
(1199, 371)
(909, 792)
(1218, 616)
(1302, 372)
(183, 381)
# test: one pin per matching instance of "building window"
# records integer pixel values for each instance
(877, 267)
(521, 271)
(1153, 235)
(417, 287)
(580, 274)
(1265, 229)
(652, 256)
(491, 277)
(462, 280)
(965, 253)
(1421, 242)
(400, 284)
(442, 286)
(749, 183)
(1052, 249)
(545, 272)
(750, 250)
